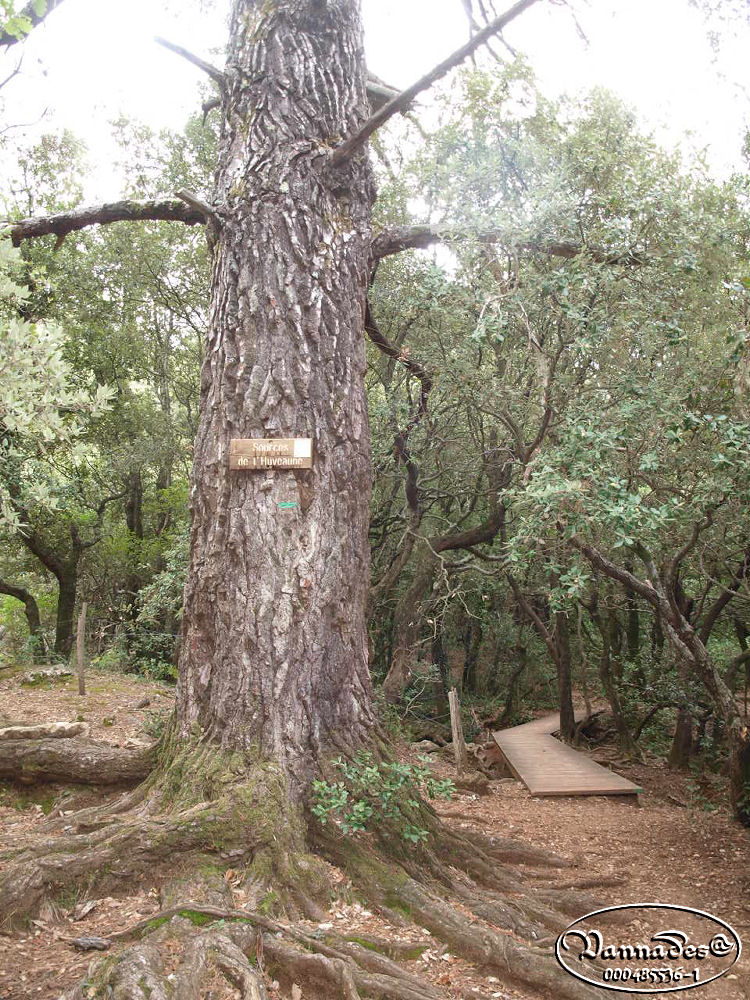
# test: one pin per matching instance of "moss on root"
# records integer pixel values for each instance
(200, 802)
(385, 948)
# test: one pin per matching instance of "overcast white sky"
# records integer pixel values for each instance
(92, 61)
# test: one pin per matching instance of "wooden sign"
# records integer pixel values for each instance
(270, 453)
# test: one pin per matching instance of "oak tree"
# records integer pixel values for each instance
(273, 673)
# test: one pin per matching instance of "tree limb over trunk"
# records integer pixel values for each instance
(76, 760)
(216, 74)
(400, 238)
(379, 94)
(168, 210)
(401, 103)
(30, 12)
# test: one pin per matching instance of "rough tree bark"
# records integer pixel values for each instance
(274, 651)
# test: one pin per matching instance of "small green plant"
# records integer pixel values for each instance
(386, 791)
(154, 723)
(158, 670)
(115, 659)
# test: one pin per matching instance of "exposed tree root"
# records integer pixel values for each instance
(73, 760)
(515, 851)
(332, 965)
(481, 943)
(204, 801)
(492, 935)
(139, 972)
(596, 882)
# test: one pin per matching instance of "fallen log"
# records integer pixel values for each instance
(45, 731)
(74, 760)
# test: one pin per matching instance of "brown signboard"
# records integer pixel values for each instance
(270, 453)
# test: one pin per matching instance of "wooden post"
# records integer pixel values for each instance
(459, 744)
(81, 649)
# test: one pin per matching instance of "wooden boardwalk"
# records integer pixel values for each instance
(548, 767)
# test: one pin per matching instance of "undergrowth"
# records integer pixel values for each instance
(373, 793)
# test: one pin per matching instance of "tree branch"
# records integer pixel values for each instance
(197, 204)
(399, 104)
(724, 598)
(379, 93)
(400, 238)
(488, 529)
(615, 572)
(29, 11)
(416, 368)
(78, 542)
(402, 454)
(169, 210)
(11, 590)
(216, 74)
(687, 548)
(544, 633)
(210, 105)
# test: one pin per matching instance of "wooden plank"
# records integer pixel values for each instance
(270, 453)
(548, 767)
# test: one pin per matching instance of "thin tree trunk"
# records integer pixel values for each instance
(134, 522)
(609, 684)
(457, 730)
(515, 675)
(682, 741)
(564, 676)
(274, 645)
(633, 623)
(584, 661)
(31, 610)
(407, 628)
(440, 659)
(81, 651)
(66, 603)
(472, 645)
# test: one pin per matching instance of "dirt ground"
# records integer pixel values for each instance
(670, 849)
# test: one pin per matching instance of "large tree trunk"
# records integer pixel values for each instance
(274, 646)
